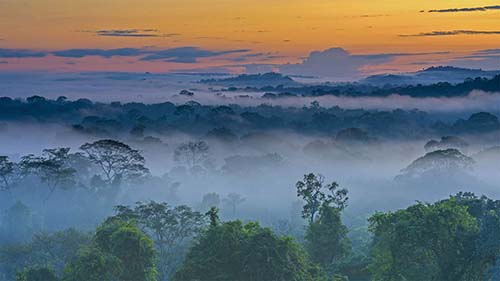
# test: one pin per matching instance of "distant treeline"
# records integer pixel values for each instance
(441, 89)
(232, 121)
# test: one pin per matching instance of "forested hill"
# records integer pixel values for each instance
(441, 89)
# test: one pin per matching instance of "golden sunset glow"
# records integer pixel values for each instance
(291, 28)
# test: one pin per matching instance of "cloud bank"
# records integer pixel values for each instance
(340, 64)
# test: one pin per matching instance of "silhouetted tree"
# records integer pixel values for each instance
(117, 161)
(52, 167)
(8, 173)
(233, 200)
(191, 154)
(312, 190)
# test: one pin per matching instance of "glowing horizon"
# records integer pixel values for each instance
(285, 30)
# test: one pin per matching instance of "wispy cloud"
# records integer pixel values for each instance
(133, 33)
(186, 54)
(453, 32)
(467, 9)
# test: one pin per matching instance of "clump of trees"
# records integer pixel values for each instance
(119, 251)
(169, 227)
(112, 162)
(236, 251)
(454, 239)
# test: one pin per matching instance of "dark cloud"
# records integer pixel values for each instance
(452, 32)
(253, 57)
(21, 53)
(132, 33)
(186, 54)
(469, 9)
(178, 55)
(80, 53)
(4, 62)
(489, 52)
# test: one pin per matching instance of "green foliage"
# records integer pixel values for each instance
(326, 238)
(92, 264)
(426, 242)
(120, 251)
(170, 228)
(36, 274)
(131, 246)
(232, 251)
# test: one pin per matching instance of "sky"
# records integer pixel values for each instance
(301, 37)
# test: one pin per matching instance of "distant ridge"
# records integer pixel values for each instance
(254, 80)
(431, 75)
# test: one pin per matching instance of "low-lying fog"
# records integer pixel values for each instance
(263, 170)
(154, 88)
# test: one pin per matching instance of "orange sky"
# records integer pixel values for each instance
(292, 28)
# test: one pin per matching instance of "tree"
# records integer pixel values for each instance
(192, 154)
(234, 251)
(130, 246)
(92, 264)
(36, 274)
(18, 224)
(428, 242)
(233, 200)
(326, 238)
(438, 163)
(52, 167)
(311, 190)
(8, 173)
(209, 200)
(117, 161)
(169, 227)
(56, 249)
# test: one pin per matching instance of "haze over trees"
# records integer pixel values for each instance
(192, 191)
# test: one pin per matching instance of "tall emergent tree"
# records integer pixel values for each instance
(326, 235)
(53, 168)
(117, 161)
(312, 190)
